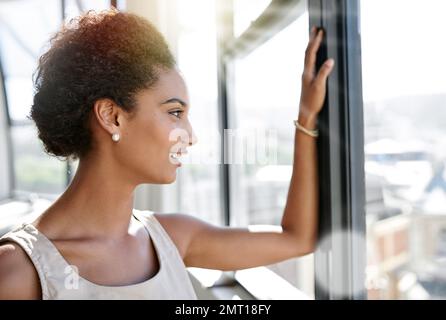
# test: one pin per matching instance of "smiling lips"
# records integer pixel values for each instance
(176, 155)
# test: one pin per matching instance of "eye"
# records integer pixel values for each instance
(176, 113)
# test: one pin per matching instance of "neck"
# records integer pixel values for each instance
(98, 203)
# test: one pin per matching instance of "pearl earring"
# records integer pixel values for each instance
(115, 137)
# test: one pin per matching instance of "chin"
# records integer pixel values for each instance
(171, 180)
(164, 175)
(167, 179)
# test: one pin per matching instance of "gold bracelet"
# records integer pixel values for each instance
(313, 133)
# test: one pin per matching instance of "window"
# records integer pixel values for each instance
(26, 27)
(263, 94)
(34, 170)
(199, 177)
(5, 146)
(404, 89)
(340, 254)
(245, 12)
(22, 39)
(266, 95)
(73, 8)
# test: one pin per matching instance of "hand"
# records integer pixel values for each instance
(313, 85)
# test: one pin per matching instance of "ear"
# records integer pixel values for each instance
(108, 114)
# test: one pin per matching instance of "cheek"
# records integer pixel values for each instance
(147, 155)
(152, 140)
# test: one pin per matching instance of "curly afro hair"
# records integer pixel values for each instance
(97, 55)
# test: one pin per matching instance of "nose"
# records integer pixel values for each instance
(193, 140)
(192, 137)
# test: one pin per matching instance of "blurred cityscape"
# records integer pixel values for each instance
(405, 180)
(406, 198)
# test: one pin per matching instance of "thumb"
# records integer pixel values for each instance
(324, 72)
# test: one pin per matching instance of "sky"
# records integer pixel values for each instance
(403, 48)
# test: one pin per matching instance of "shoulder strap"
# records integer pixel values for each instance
(157, 232)
(177, 279)
(29, 239)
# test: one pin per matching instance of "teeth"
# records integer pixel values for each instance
(177, 155)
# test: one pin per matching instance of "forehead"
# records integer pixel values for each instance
(171, 84)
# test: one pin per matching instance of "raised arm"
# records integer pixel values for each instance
(300, 217)
(224, 248)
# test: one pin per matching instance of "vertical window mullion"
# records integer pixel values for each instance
(356, 150)
(9, 169)
(225, 32)
(340, 257)
(322, 254)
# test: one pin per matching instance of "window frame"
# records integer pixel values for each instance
(12, 192)
(340, 263)
(8, 166)
(270, 22)
(225, 34)
(340, 260)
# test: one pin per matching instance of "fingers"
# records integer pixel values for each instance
(324, 72)
(311, 52)
(312, 33)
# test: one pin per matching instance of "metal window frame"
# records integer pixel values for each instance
(10, 122)
(8, 138)
(17, 123)
(225, 34)
(276, 17)
(340, 260)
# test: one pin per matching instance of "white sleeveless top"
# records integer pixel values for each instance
(59, 280)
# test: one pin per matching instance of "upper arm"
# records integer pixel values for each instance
(18, 277)
(204, 245)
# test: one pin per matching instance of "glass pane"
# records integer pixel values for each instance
(74, 8)
(266, 100)
(19, 91)
(199, 177)
(404, 80)
(73, 165)
(247, 11)
(26, 26)
(34, 170)
(121, 4)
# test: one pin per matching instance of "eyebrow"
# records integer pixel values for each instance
(173, 100)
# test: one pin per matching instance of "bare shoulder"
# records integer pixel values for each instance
(180, 228)
(18, 277)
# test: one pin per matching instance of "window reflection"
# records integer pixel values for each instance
(266, 100)
(404, 83)
(200, 178)
(26, 27)
(34, 170)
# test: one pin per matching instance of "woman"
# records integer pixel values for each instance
(108, 93)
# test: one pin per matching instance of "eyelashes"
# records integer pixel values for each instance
(176, 113)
